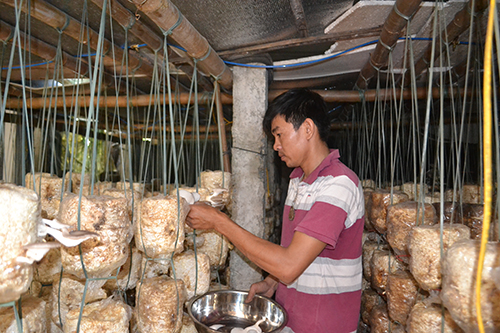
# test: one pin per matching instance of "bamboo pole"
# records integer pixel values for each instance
(59, 20)
(49, 52)
(109, 101)
(170, 19)
(338, 96)
(353, 96)
(401, 12)
(455, 28)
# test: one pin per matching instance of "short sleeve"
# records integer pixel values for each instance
(331, 204)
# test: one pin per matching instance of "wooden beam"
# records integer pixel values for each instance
(354, 96)
(330, 38)
(300, 17)
(109, 101)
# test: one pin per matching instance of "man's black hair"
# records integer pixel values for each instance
(296, 105)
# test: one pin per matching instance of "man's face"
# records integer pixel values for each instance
(287, 141)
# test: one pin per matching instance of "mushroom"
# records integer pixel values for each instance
(255, 328)
(62, 234)
(43, 228)
(71, 238)
(188, 196)
(36, 251)
(217, 197)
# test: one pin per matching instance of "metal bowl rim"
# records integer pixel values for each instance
(231, 291)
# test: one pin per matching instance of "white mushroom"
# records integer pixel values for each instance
(62, 234)
(217, 199)
(54, 224)
(215, 327)
(255, 328)
(36, 251)
(187, 196)
(71, 238)
(196, 196)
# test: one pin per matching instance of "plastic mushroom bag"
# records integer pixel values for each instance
(459, 285)
(369, 299)
(159, 230)
(73, 181)
(159, 304)
(425, 250)
(382, 263)
(105, 216)
(402, 291)
(20, 210)
(428, 317)
(109, 315)
(368, 248)
(129, 273)
(49, 268)
(33, 316)
(216, 246)
(49, 188)
(194, 270)
(401, 218)
(381, 200)
(380, 322)
(67, 294)
(215, 179)
(133, 198)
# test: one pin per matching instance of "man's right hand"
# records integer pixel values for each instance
(266, 287)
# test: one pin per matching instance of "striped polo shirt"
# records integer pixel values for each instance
(329, 206)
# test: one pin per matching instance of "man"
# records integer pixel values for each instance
(316, 272)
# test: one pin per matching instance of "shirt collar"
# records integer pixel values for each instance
(332, 157)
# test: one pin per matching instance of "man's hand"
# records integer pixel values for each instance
(203, 216)
(266, 287)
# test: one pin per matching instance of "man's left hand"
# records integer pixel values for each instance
(203, 216)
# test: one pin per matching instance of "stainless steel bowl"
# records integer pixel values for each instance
(228, 308)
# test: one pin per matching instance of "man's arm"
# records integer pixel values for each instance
(286, 264)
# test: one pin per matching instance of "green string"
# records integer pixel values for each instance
(17, 313)
(174, 158)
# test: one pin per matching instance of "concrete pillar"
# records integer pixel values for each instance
(248, 166)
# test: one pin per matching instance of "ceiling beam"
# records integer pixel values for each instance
(108, 101)
(128, 20)
(354, 96)
(460, 23)
(331, 96)
(149, 37)
(69, 26)
(40, 48)
(171, 20)
(49, 53)
(300, 17)
(295, 42)
(398, 18)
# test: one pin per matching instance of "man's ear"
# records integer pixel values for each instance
(309, 127)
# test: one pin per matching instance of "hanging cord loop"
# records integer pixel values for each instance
(403, 16)
(176, 24)
(374, 67)
(204, 56)
(66, 24)
(139, 7)
(390, 48)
